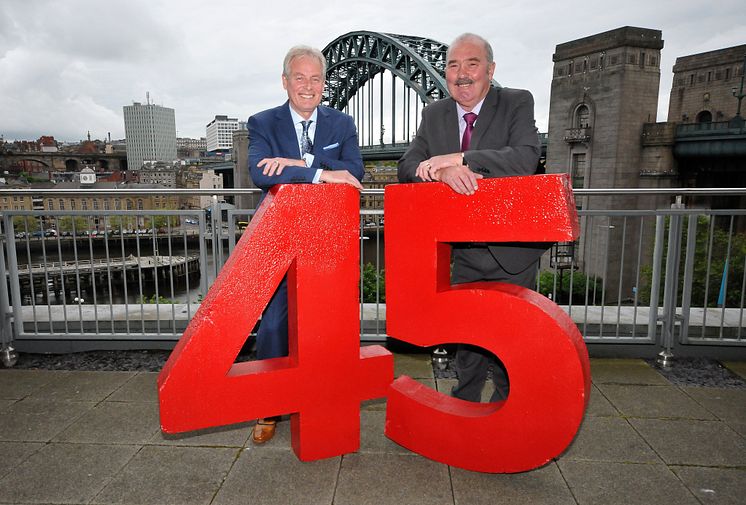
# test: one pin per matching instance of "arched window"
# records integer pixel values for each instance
(582, 116)
(704, 117)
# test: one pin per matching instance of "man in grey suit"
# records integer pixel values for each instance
(480, 131)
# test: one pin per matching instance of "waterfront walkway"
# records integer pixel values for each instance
(79, 437)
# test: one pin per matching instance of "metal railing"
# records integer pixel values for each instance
(658, 278)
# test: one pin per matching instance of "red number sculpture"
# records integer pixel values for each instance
(312, 234)
(540, 346)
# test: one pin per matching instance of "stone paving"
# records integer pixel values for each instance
(79, 437)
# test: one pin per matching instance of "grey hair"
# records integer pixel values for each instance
(299, 51)
(472, 37)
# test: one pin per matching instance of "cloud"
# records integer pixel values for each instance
(69, 67)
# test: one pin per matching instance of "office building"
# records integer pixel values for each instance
(150, 132)
(220, 133)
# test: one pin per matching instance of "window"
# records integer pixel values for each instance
(704, 116)
(582, 116)
(139, 204)
(642, 59)
(129, 204)
(73, 204)
(578, 170)
(50, 204)
(62, 204)
(95, 204)
(84, 204)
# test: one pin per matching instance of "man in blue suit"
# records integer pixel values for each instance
(298, 142)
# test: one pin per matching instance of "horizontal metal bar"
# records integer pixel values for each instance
(380, 191)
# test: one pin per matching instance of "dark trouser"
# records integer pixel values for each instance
(472, 264)
(272, 335)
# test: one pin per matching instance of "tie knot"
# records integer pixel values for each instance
(306, 124)
(470, 117)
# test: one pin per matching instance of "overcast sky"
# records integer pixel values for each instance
(68, 67)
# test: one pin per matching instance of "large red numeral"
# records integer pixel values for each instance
(541, 348)
(310, 232)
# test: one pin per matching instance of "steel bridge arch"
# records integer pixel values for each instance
(356, 57)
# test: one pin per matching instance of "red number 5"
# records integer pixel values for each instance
(540, 346)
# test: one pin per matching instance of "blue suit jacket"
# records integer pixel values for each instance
(272, 134)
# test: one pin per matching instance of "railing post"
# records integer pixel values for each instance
(670, 287)
(8, 355)
(686, 291)
(660, 228)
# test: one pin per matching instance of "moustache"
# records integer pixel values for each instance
(464, 80)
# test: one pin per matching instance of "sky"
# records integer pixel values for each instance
(68, 67)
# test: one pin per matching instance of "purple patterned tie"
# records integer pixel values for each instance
(470, 118)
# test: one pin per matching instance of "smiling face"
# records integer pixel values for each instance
(304, 84)
(468, 73)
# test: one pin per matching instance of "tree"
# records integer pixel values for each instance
(66, 223)
(709, 266)
(373, 281)
(28, 224)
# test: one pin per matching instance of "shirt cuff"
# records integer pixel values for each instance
(317, 176)
(308, 158)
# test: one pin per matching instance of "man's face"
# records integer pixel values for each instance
(468, 74)
(304, 85)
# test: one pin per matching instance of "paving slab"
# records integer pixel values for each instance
(624, 371)
(39, 420)
(234, 435)
(653, 402)
(114, 422)
(737, 367)
(372, 438)
(723, 486)
(375, 479)
(726, 404)
(18, 384)
(380, 403)
(170, 475)
(417, 366)
(14, 453)
(542, 486)
(687, 442)
(610, 483)
(599, 406)
(4, 404)
(82, 386)
(279, 478)
(609, 439)
(140, 388)
(65, 473)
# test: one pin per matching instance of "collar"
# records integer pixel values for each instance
(460, 110)
(297, 118)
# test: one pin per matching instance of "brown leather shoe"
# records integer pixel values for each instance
(264, 430)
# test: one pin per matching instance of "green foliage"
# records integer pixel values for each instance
(160, 221)
(121, 222)
(580, 284)
(373, 281)
(153, 299)
(707, 278)
(25, 224)
(65, 223)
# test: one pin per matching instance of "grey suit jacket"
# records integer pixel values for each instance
(504, 143)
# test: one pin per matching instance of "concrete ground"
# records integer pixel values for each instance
(79, 437)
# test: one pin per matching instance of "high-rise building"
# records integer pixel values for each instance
(220, 133)
(150, 131)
